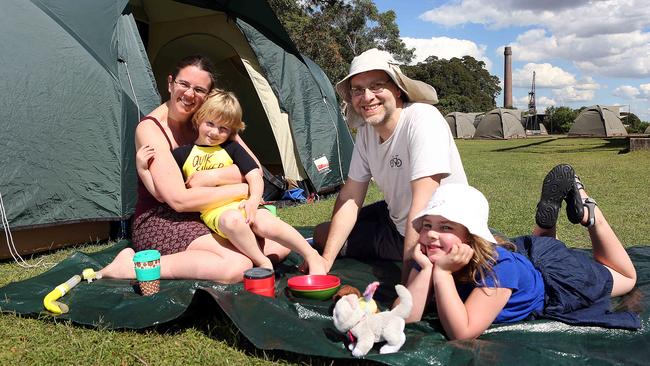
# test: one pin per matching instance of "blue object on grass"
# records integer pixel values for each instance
(295, 194)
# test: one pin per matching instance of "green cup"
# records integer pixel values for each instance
(147, 265)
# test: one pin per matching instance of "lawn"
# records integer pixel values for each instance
(508, 172)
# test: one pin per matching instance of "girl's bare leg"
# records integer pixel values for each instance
(608, 250)
(268, 226)
(233, 224)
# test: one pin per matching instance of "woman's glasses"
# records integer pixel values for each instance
(184, 86)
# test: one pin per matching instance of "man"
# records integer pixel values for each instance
(405, 144)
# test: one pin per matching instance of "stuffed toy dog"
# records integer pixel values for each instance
(367, 328)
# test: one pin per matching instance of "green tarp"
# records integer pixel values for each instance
(305, 326)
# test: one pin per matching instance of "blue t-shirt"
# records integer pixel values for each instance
(516, 272)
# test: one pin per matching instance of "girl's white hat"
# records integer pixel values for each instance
(459, 203)
(374, 59)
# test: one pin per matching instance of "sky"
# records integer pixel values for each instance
(583, 52)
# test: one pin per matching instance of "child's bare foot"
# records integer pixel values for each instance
(317, 264)
(265, 264)
(121, 267)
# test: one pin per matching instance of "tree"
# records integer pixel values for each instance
(633, 123)
(561, 118)
(463, 84)
(332, 32)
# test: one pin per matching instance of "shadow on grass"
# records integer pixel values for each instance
(612, 143)
(525, 146)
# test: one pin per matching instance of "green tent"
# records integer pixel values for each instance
(78, 75)
(500, 123)
(598, 121)
(462, 124)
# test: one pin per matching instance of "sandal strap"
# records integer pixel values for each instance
(590, 204)
(579, 184)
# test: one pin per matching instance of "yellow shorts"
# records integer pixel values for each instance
(211, 218)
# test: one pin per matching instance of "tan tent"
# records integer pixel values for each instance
(462, 124)
(500, 123)
(598, 121)
(534, 124)
(647, 130)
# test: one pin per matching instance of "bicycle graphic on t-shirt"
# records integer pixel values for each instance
(395, 162)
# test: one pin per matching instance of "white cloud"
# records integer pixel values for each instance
(626, 92)
(645, 90)
(583, 18)
(541, 103)
(544, 102)
(588, 83)
(607, 37)
(570, 94)
(447, 48)
(546, 76)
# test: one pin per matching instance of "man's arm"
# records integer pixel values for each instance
(421, 191)
(344, 216)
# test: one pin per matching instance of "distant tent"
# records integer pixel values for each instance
(462, 124)
(534, 124)
(647, 130)
(500, 123)
(598, 121)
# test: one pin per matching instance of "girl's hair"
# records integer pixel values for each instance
(221, 106)
(483, 260)
(201, 62)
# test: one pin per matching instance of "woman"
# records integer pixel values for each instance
(190, 250)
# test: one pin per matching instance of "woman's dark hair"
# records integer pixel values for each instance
(199, 61)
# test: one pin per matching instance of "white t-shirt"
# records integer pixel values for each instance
(421, 145)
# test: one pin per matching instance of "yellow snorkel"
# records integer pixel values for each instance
(58, 308)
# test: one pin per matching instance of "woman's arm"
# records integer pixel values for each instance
(222, 176)
(470, 319)
(168, 178)
(215, 177)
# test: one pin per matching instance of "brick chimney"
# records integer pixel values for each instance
(507, 78)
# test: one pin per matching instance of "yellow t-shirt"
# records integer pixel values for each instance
(194, 158)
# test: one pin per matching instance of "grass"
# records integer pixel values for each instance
(508, 172)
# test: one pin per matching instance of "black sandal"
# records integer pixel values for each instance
(574, 203)
(557, 184)
(590, 204)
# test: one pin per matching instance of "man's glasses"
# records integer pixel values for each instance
(375, 88)
(184, 86)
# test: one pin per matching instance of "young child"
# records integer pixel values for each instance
(216, 122)
(478, 281)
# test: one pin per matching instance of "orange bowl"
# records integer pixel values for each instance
(313, 282)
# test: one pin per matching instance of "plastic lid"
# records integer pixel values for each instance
(258, 272)
(146, 255)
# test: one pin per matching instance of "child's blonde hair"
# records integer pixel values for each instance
(221, 106)
(482, 262)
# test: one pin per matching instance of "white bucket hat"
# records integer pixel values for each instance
(459, 203)
(374, 59)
